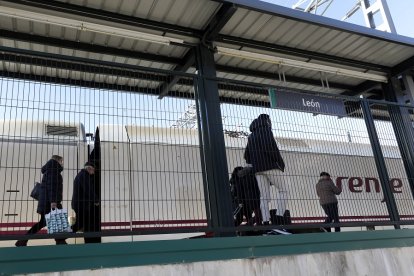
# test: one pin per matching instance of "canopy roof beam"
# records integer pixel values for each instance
(216, 23)
(87, 47)
(242, 42)
(108, 16)
(403, 66)
(269, 75)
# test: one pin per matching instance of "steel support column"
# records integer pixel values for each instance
(403, 128)
(213, 147)
(380, 164)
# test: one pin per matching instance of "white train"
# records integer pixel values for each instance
(152, 177)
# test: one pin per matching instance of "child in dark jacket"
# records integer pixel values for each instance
(246, 196)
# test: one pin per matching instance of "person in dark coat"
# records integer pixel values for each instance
(246, 196)
(327, 191)
(51, 195)
(85, 202)
(263, 154)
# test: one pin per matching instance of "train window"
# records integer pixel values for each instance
(61, 131)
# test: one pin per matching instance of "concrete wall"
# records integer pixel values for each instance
(387, 252)
(378, 262)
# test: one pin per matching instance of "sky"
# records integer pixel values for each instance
(401, 13)
(30, 101)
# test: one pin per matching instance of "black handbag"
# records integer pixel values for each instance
(36, 191)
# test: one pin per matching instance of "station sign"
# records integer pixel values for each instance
(306, 102)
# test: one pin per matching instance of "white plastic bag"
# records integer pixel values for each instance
(57, 221)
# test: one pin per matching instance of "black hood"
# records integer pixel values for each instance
(260, 122)
(52, 165)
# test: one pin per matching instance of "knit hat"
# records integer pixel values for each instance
(325, 174)
(89, 164)
(263, 116)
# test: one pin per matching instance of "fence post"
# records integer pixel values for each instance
(213, 146)
(403, 129)
(380, 164)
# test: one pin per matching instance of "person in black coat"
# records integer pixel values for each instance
(85, 202)
(50, 196)
(263, 154)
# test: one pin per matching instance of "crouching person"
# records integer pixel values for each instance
(327, 191)
(246, 196)
(85, 202)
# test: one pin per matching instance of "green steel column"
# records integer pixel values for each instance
(380, 164)
(402, 125)
(213, 146)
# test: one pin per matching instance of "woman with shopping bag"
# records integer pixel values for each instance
(50, 196)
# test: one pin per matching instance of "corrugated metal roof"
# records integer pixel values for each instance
(186, 13)
(83, 54)
(38, 28)
(254, 21)
(302, 35)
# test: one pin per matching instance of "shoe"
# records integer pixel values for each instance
(21, 243)
(323, 229)
(279, 232)
(61, 242)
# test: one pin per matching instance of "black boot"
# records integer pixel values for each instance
(21, 243)
(278, 220)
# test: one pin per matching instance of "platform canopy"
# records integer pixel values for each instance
(74, 41)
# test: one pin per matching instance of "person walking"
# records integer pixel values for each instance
(85, 202)
(263, 154)
(327, 192)
(50, 196)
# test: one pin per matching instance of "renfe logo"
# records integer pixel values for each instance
(358, 184)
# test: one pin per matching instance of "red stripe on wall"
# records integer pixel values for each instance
(201, 221)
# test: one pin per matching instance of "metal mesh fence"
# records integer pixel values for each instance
(309, 144)
(399, 181)
(140, 130)
(150, 177)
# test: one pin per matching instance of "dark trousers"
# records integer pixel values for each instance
(331, 210)
(246, 208)
(87, 219)
(38, 226)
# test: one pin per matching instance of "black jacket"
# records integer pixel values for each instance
(244, 188)
(84, 192)
(262, 151)
(51, 186)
